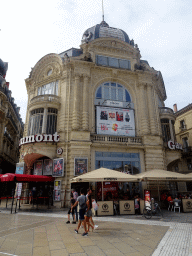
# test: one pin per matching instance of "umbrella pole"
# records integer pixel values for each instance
(102, 191)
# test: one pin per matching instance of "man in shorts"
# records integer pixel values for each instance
(81, 200)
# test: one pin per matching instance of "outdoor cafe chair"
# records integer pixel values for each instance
(176, 206)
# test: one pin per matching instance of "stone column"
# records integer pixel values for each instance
(144, 117)
(44, 125)
(85, 122)
(151, 106)
(75, 123)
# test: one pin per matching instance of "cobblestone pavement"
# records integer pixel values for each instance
(46, 233)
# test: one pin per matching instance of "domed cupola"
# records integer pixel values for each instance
(103, 30)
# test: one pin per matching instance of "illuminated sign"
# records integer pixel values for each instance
(39, 138)
(175, 145)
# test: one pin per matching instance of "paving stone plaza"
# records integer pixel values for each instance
(46, 233)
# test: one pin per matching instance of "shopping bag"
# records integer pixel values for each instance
(95, 205)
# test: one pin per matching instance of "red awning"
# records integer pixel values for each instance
(25, 178)
(7, 177)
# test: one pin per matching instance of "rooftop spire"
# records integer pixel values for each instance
(102, 10)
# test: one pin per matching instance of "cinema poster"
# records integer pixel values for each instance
(38, 167)
(115, 121)
(20, 168)
(58, 167)
(48, 167)
(80, 166)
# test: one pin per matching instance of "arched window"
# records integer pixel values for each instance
(112, 91)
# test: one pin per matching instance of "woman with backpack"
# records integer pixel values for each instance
(81, 200)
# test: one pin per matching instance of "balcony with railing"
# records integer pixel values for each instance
(46, 98)
(117, 139)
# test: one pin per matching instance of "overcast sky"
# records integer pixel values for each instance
(161, 28)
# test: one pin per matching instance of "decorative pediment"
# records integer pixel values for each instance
(49, 66)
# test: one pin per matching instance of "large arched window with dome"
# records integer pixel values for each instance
(114, 110)
(112, 91)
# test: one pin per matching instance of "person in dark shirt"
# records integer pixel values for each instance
(71, 210)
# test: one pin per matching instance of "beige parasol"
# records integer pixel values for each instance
(161, 175)
(104, 174)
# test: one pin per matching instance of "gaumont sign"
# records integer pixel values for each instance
(175, 145)
(39, 138)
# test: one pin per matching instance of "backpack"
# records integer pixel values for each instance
(83, 205)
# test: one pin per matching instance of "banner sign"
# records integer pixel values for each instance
(147, 194)
(115, 121)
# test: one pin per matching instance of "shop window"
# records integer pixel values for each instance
(112, 91)
(51, 88)
(118, 161)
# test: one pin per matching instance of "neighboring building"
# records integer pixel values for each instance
(106, 105)
(11, 125)
(183, 130)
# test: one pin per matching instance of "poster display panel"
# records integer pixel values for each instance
(20, 168)
(115, 121)
(81, 166)
(57, 190)
(48, 167)
(38, 167)
(58, 167)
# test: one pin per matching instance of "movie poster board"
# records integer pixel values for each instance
(48, 167)
(57, 190)
(38, 167)
(58, 167)
(20, 168)
(80, 166)
(115, 121)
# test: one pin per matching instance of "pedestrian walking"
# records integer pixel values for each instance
(88, 214)
(71, 210)
(75, 196)
(89, 192)
(81, 200)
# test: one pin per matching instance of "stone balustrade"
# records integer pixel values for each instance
(120, 139)
(47, 97)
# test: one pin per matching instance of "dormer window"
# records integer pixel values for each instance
(113, 62)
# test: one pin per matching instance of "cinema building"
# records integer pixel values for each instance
(97, 106)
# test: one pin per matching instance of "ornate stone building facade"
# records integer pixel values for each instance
(11, 125)
(106, 105)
